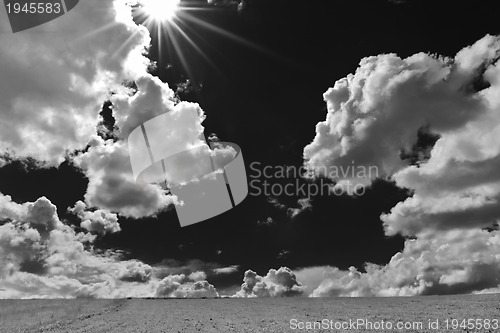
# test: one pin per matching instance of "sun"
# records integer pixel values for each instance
(160, 10)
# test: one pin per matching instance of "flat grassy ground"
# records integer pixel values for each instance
(239, 315)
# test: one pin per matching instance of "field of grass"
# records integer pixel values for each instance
(242, 315)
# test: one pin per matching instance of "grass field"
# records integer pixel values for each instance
(241, 315)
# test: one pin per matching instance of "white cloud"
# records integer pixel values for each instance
(53, 83)
(10, 209)
(97, 221)
(40, 257)
(459, 186)
(62, 264)
(135, 271)
(277, 283)
(226, 270)
(312, 277)
(55, 77)
(20, 244)
(50, 106)
(451, 263)
(197, 276)
(41, 214)
(152, 98)
(112, 186)
(182, 286)
(376, 113)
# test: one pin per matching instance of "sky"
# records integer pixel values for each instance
(391, 106)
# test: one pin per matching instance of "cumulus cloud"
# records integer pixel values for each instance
(97, 221)
(8, 208)
(373, 116)
(41, 257)
(277, 283)
(51, 106)
(62, 264)
(454, 263)
(312, 277)
(40, 215)
(20, 245)
(56, 76)
(151, 99)
(51, 111)
(112, 185)
(459, 186)
(376, 113)
(57, 262)
(135, 271)
(182, 286)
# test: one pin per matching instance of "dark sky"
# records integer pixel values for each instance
(267, 98)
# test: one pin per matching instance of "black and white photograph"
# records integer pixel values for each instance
(223, 166)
